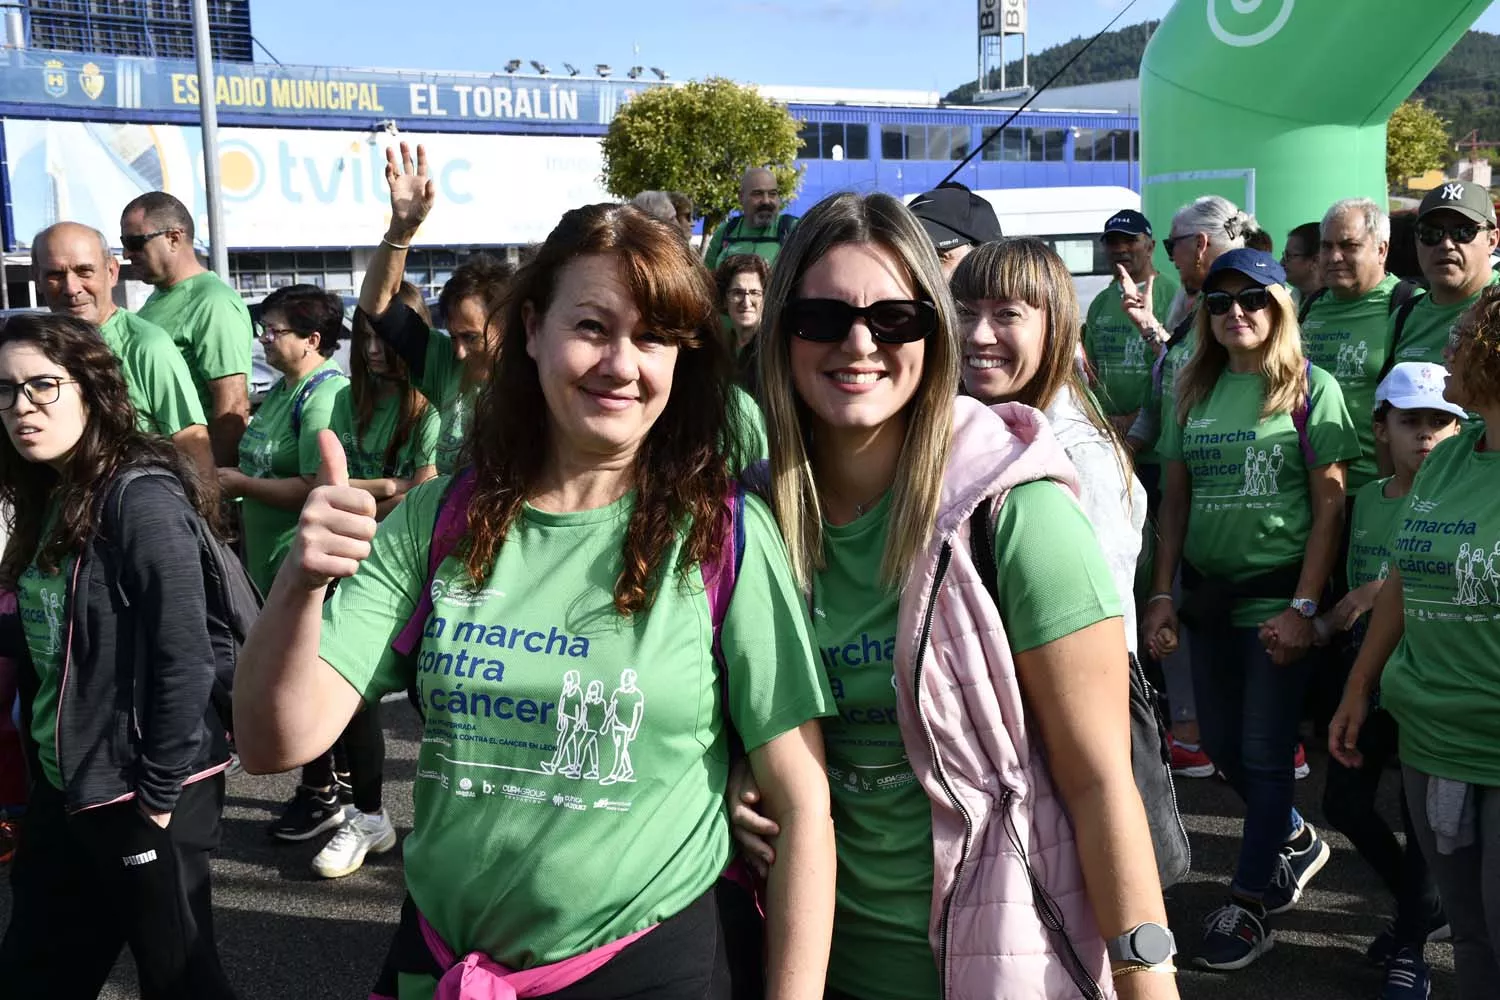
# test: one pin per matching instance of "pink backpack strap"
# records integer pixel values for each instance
(720, 575)
(447, 530)
(1299, 421)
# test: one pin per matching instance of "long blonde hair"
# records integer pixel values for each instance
(1282, 362)
(879, 220)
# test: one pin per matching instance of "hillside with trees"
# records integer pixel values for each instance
(1464, 88)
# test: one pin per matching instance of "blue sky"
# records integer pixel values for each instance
(907, 44)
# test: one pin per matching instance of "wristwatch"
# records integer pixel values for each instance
(1144, 944)
(1305, 607)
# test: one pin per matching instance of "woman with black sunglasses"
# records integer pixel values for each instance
(1253, 510)
(965, 822)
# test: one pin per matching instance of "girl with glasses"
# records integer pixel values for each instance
(979, 762)
(1253, 509)
(581, 691)
(117, 667)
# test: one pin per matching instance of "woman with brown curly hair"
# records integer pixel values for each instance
(116, 667)
(578, 684)
(1433, 650)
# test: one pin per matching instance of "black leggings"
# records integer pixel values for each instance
(359, 752)
(1349, 805)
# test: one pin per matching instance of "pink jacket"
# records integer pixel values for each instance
(972, 747)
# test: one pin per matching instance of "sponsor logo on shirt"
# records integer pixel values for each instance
(457, 595)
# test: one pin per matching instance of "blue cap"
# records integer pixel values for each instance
(1257, 265)
(1128, 221)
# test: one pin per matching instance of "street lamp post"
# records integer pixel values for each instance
(208, 112)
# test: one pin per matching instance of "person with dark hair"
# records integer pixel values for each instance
(1455, 240)
(450, 370)
(76, 273)
(300, 326)
(742, 280)
(1260, 240)
(206, 318)
(127, 752)
(389, 434)
(594, 749)
(683, 205)
(1433, 651)
(1300, 260)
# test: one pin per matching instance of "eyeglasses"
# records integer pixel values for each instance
(44, 390)
(135, 244)
(265, 334)
(891, 321)
(1250, 299)
(745, 293)
(1431, 236)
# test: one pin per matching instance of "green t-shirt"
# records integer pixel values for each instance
(737, 236)
(1122, 360)
(442, 383)
(754, 445)
(160, 384)
(570, 783)
(1251, 506)
(366, 453)
(1370, 529)
(1055, 582)
(210, 324)
(270, 450)
(1428, 327)
(1351, 341)
(44, 621)
(1443, 681)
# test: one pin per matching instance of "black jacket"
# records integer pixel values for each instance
(133, 715)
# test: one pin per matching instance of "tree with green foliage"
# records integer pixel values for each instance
(699, 138)
(1416, 141)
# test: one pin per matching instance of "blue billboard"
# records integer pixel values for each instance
(119, 86)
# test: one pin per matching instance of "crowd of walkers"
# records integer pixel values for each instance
(793, 607)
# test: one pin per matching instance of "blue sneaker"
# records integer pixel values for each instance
(1406, 977)
(1233, 937)
(1294, 870)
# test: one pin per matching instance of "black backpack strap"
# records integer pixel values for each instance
(1402, 315)
(1404, 292)
(784, 227)
(1308, 302)
(982, 548)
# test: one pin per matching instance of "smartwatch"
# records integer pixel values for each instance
(1144, 944)
(1305, 607)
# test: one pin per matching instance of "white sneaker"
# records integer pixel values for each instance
(361, 834)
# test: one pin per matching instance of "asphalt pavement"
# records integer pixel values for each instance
(286, 934)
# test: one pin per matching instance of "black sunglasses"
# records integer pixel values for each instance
(1431, 236)
(1250, 299)
(891, 321)
(135, 244)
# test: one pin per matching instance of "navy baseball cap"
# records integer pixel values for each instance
(953, 215)
(1257, 265)
(1130, 222)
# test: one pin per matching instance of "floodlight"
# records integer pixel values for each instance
(572, 70)
(661, 74)
(602, 69)
(635, 72)
(513, 65)
(540, 67)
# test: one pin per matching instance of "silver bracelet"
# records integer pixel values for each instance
(395, 246)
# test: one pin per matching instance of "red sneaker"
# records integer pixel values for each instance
(1189, 762)
(1299, 763)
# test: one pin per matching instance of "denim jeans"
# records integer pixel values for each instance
(1248, 712)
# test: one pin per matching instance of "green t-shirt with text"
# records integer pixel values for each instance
(1429, 325)
(1351, 341)
(1370, 529)
(1121, 358)
(442, 382)
(1054, 581)
(1443, 681)
(42, 600)
(270, 449)
(367, 452)
(1251, 508)
(160, 384)
(210, 324)
(570, 782)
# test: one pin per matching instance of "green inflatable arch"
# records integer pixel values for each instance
(1280, 105)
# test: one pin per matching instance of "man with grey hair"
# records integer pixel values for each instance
(76, 273)
(761, 227)
(658, 205)
(1345, 328)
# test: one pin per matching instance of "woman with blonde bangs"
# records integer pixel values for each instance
(1018, 319)
(980, 755)
(1253, 510)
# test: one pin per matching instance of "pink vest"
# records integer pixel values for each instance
(972, 747)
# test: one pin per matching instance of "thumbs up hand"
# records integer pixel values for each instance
(338, 521)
